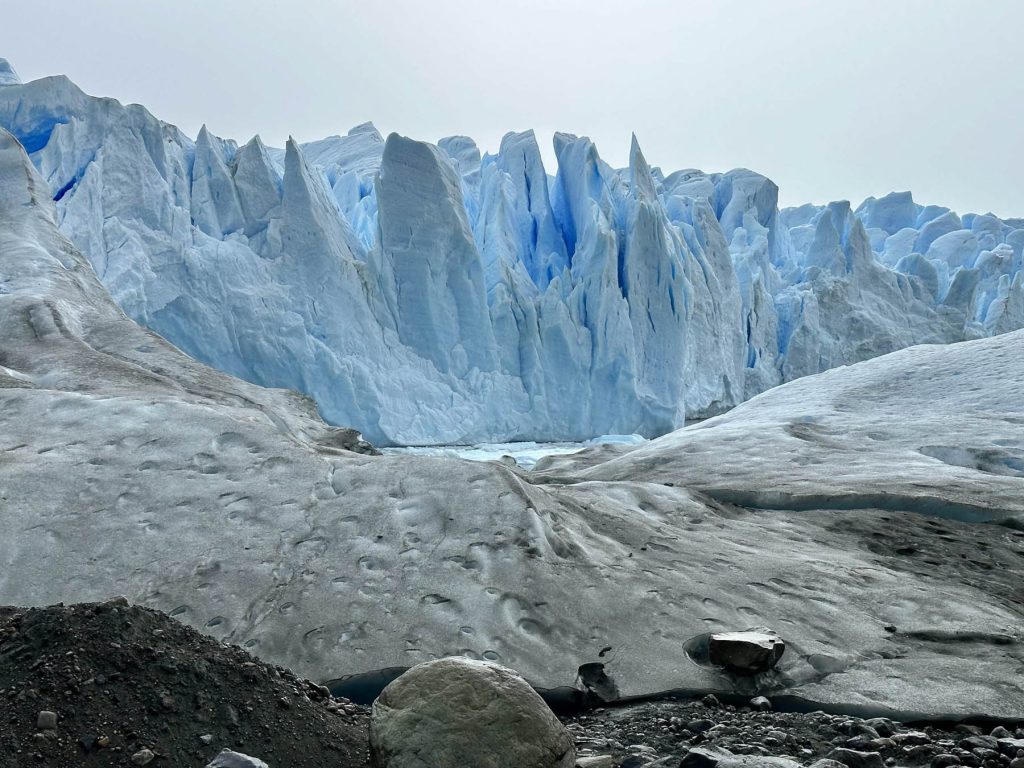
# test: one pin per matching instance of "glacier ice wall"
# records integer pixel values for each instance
(434, 294)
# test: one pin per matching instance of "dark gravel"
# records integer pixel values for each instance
(661, 733)
(122, 679)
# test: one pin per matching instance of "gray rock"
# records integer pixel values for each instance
(945, 760)
(1009, 746)
(761, 703)
(855, 759)
(143, 757)
(594, 761)
(702, 757)
(746, 653)
(229, 759)
(978, 742)
(699, 726)
(458, 711)
(827, 763)
(882, 725)
(912, 738)
(999, 732)
(47, 720)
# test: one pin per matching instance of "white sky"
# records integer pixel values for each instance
(832, 100)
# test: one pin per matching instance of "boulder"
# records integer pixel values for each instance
(746, 653)
(458, 711)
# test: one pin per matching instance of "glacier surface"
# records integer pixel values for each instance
(433, 294)
(127, 467)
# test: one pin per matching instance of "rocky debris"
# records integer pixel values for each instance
(229, 759)
(457, 711)
(109, 684)
(746, 653)
(761, 704)
(596, 761)
(664, 733)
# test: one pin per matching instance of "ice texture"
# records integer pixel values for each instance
(436, 294)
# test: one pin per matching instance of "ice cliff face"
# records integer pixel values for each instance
(431, 294)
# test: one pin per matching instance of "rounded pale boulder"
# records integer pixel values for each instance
(456, 711)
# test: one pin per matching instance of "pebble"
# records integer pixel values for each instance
(882, 725)
(699, 726)
(143, 757)
(595, 761)
(854, 759)
(47, 720)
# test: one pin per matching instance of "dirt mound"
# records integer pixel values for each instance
(122, 679)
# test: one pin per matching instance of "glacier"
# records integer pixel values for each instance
(835, 508)
(433, 294)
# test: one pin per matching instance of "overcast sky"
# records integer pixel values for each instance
(832, 100)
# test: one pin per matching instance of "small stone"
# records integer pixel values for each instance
(999, 732)
(978, 742)
(973, 730)
(595, 761)
(945, 760)
(1010, 747)
(699, 726)
(711, 701)
(826, 763)
(143, 757)
(46, 720)
(912, 738)
(206, 738)
(1017, 763)
(87, 742)
(855, 759)
(761, 704)
(882, 725)
(102, 742)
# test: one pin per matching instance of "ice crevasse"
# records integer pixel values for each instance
(434, 294)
